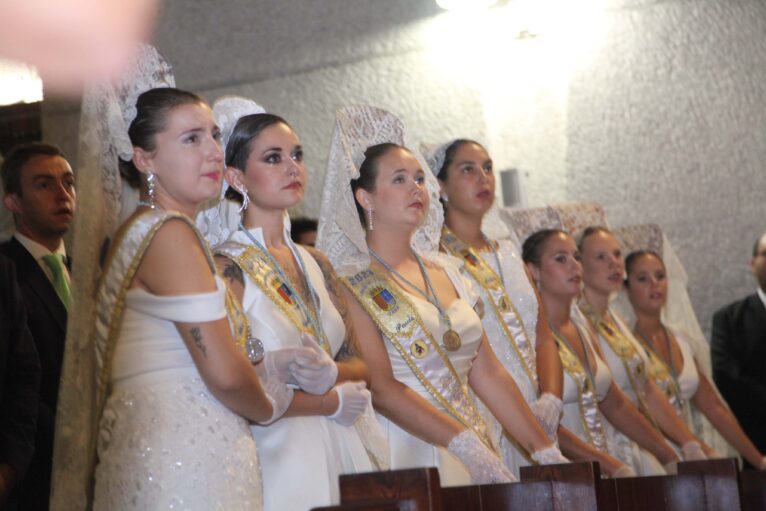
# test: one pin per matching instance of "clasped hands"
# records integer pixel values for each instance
(312, 370)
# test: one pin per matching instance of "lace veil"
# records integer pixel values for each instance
(107, 111)
(492, 225)
(341, 236)
(218, 218)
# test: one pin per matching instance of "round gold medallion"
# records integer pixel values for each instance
(452, 340)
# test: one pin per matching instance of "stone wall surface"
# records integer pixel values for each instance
(654, 108)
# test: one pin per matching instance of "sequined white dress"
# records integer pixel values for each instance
(301, 457)
(408, 451)
(519, 290)
(165, 442)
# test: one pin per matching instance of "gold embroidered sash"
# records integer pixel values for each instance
(257, 266)
(590, 417)
(660, 373)
(626, 351)
(506, 314)
(399, 322)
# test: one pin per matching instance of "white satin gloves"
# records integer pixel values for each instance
(280, 396)
(624, 471)
(692, 451)
(547, 411)
(548, 456)
(313, 370)
(482, 464)
(274, 374)
(353, 399)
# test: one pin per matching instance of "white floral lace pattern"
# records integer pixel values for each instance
(340, 235)
(570, 217)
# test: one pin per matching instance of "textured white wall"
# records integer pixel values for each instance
(666, 124)
(654, 108)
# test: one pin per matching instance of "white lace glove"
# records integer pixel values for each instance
(624, 471)
(353, 399)
(692, 451)
(276, 364)
(280, 396)
(314, 370)
(549, 456)
(483, 465)
(671, 468)
(547, 411)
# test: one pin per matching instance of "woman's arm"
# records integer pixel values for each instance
(497, 389)
(351, 367)
(574, 448)
(624, 416)
(549, 372)
(392, 398)
(305, 404)
(667, 419)
(719, 415)
(167, 271)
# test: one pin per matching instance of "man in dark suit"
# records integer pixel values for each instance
(19, 382)
(39, 191)
(738, 352)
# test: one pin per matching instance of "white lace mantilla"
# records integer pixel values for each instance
(341, 236)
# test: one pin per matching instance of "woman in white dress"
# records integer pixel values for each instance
(672, 362)
(603, 267)
(172, 432)
(514, 321)
(592, 401)
(291, 299)
(414, 313)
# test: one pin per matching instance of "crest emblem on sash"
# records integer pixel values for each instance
(283, 291)
(383, 299)
(470, 258)
(419, 349)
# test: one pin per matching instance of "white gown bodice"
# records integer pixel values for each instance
(165, 442)
(150, 342)
(301, 457)
(602, 374)
(688, 378)
(619, 372)
(408, 451)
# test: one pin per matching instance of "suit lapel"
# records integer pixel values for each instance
(34, 276)
(759, 312)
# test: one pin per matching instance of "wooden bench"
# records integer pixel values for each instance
(752, 486)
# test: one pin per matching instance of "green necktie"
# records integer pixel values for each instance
(56, 263)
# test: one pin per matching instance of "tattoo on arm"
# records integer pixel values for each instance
(234, 273)
(349, 349)
(197, 336)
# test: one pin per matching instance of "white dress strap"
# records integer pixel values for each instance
(198, 307)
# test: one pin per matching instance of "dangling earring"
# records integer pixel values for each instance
(245, 200)
(151, 191)
(369, 219)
